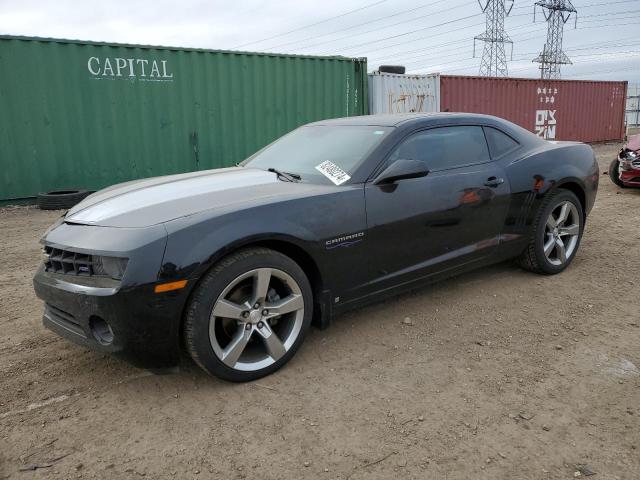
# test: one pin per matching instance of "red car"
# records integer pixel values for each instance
(625, 170)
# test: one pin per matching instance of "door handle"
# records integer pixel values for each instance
(494, 182)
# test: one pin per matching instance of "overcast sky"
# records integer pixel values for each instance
(424, 35)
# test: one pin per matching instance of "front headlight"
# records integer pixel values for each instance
(56, 224)
(626, 164)
(113, 267)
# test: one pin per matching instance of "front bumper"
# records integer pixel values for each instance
(631, 178)
(145, 325)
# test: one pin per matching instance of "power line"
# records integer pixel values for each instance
(607, 24)
(591, 46)
(425, 38)
(586, 6)
(513, 70)
(419, 39)
(417, 30)
(431, 48)
(386, 17)
(580, 62)
(313, 24)
(469, 67)
(583, 16)
(379, 50)
(433, 56)
(635, 52)
(458, 48)
(434, 61)
(608, 14)
(445, 54)
(530, 67)
(386, 26)
(625, 69)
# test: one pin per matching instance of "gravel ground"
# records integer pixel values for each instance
(497, 374)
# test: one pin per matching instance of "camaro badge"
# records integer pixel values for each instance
(344, 241)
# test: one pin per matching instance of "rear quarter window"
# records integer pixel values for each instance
(499, 142)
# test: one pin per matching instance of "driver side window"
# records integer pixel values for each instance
(443, 148)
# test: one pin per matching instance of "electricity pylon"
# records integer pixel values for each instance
(556, 13)
(494, 58)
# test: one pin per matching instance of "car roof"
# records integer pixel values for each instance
(410, 121)
(394, 120)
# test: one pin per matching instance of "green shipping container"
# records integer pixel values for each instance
(87, 115)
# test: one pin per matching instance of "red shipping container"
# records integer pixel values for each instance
(586, 111)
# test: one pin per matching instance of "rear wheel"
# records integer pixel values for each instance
(249, 315)
(555, 235)
(614, 174)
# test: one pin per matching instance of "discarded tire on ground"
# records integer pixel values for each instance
(61, 199)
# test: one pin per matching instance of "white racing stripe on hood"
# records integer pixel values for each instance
(117, 201)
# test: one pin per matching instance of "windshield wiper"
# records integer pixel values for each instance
(289, 177)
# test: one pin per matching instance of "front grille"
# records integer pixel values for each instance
(636, 163)
(66, 261)
(63, 319)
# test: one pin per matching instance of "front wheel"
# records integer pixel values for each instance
(249, 315)
(555, 235)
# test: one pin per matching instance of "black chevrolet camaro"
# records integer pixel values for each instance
(233, 265)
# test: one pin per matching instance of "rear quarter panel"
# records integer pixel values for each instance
(541, 169)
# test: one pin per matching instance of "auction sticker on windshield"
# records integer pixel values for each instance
(333, 172)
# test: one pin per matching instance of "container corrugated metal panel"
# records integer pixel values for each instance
(587, 111)
(87, 115)
(394, 93)
(633, 105)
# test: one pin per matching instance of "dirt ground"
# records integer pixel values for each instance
(498, 374)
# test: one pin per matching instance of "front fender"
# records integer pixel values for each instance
(210, 246)
(197, 242)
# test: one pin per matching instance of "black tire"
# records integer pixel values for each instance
(203, 299)
(61, 199)
(533, 258)
(614, 175)
(397, 69)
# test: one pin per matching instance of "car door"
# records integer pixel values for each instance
(453, 216)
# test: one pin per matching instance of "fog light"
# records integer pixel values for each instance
(101, 330)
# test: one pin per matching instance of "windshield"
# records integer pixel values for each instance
(320, 154)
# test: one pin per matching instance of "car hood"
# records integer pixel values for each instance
(151, 201)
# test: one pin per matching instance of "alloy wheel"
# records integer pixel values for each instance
(561, 234)
(256, 319)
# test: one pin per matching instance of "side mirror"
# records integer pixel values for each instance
(401, 169)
